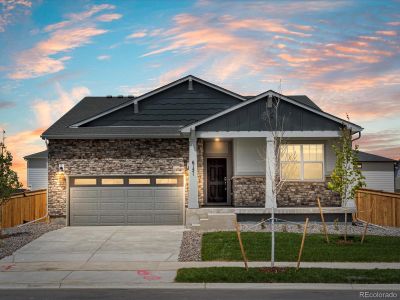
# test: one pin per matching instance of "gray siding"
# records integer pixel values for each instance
(37, 173)
(175, 106)
(251, 117)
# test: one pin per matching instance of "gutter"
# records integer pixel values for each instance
(357, 138)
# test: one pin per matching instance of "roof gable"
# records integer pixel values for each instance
(253, 117)
(188, 79)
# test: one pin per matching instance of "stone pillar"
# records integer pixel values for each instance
(193, 183)
(270, 165)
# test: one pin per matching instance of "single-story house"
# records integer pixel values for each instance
(188, 152)
(36, 165)
(379, 171)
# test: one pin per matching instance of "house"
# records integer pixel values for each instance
(189, 152)
(37, 170)
(379, 171)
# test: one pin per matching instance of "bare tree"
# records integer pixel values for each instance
(274, 122)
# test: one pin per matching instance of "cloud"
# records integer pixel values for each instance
(138, 34)
(10, 9)
(64, 37)
(385, 143)
(108, 17)
(48, 111)
(387, 32)
(21, 144)
(103, 57)
(6, 104)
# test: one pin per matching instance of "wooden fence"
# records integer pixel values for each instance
(385, 207)
(24, 207)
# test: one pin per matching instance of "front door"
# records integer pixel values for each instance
(216, 181)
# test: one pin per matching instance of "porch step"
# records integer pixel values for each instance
(218, 221)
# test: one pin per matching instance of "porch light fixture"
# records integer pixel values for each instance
(217, 139)
(61, 168)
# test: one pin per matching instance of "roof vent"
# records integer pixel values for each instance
(120, 96)
(109, 96)
(190, 87)
(269, 101)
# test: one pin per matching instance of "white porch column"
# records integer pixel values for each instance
(270, 165)
(193, 183)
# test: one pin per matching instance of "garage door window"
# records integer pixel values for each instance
(85, 181)
(166, 181)
(112, 181)
(139, 181)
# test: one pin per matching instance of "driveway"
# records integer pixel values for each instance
(103, 244)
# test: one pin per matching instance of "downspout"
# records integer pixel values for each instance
(357, 138)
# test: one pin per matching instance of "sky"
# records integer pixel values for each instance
(344, 55)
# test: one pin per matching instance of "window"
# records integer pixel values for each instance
(112, 181)
(166, 181)
(139, 180)
(85, 181)
(302, 161)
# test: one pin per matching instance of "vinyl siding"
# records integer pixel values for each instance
(379, 180)
(37, 173)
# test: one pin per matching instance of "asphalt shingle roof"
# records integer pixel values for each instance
(369, 157)
(41, 154)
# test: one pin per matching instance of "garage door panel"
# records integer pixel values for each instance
(112, 219)
(133, 193)
(114, 193)
(126, 204)
(89, 193)
(84, 206)
(141, 206)
(113, 206)
(85, 220)
(167, 206)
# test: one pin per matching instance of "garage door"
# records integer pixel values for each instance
(126, 200)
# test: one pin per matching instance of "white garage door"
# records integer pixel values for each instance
(126, 200)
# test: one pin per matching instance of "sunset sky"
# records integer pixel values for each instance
(345, 55)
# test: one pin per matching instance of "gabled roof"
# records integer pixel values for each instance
(369, 157)
(354, 127)
(41, 154)
(156, 91)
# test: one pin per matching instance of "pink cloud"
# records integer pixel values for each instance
(48, 111)
(109, 17)
(65, 36)
(138, 34)
(385, 143)
(387, 32)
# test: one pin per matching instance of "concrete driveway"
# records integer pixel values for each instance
(103, 244)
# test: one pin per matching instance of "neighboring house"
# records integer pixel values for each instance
(37, 170)
(379, 171)
(187, 151)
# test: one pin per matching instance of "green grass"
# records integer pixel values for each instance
(235, 274)
(224, 246)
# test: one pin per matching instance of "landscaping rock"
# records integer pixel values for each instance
(356, 229)
(16, 237)
(191, 246)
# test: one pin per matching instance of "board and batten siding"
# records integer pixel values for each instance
(248, 155)
(378, 175)
(37, 173)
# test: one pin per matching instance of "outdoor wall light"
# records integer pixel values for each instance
(61, 168)
(217, 139)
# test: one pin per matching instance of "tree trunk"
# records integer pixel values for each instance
(345, 225)
(272, 236)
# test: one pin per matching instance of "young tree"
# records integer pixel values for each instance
(8, 178)
(346, 177)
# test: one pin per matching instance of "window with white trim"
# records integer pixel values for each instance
(302, 162)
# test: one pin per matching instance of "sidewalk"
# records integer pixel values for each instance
(152, 275)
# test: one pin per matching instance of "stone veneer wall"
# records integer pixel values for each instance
(111, 157)
(249, 191)
(200, 170)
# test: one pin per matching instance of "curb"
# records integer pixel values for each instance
(209, 286)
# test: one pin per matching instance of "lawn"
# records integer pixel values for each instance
(224, 246)
(235, 274)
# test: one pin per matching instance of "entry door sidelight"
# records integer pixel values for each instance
(216, 181)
